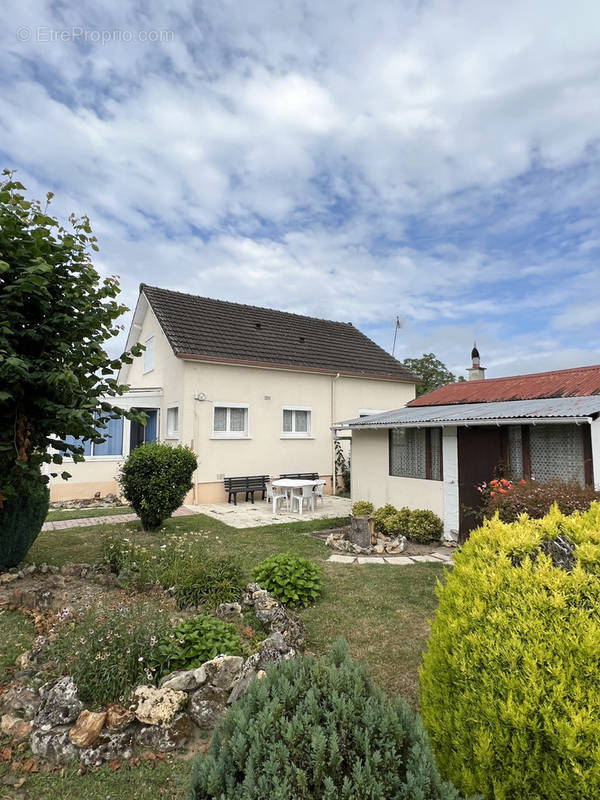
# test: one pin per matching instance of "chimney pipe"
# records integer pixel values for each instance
(476, 371)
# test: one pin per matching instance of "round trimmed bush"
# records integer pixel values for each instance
(362, 508)
(21, 520)
(380, 516)
(155, 480)
(397, 524)
(318, 728)
(294, 581)
(424, 527)
(509, 688)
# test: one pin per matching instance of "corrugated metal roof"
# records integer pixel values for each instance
(567, 408)
(577, 382)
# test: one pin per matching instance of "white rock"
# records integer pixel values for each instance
(157, 706)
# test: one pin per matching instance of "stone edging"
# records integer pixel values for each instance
(437, 557)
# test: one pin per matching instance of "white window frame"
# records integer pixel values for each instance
(169, 434)
(147, 352)
(230, 434)
(297, 434)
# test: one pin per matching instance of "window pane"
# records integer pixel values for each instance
(407, 455)
(238, 420)
(172, 421)
(301, 421)
(113, 446)
(87, 445)
(220, 419)
(151, 425)
(557, 452)
(515, 451)
(149, 354)
(436, 454)
(287, 421)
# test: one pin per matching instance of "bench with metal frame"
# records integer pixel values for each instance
(246, 484)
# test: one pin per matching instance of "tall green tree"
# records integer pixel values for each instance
(433, 372)
(56, 314)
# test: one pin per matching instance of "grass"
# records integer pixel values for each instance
(383, 612)
(59, 514)
(16, 635)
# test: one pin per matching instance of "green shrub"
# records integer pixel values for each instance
(397, 524)
(362, 508)
(155, 479)
(534, 498)
(424, 527)
(381, 515)
(195, 641)
(509, 687)
(21, 520)
(291, 579)
(110, 652)
(318, 728)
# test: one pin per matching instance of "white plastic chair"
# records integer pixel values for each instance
(308, 495)
(270, 491)
(318, 492)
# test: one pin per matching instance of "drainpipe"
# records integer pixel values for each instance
(333, 477)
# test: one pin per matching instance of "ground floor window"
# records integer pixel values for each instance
(230, 421)
(416, 453)
(543, 452)
(113, 446)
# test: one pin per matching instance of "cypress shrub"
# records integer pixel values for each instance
(155, 480)
(510, 689)
(21, 520)
(318, 729)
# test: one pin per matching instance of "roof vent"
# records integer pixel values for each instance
(258, 324)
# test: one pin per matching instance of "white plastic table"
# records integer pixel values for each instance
(289, 484)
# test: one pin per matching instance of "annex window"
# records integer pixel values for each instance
(112, 447)
(149, 354)
(296, 422)
(173, 421)
(416, 453)
(557, 451)
(230, 421)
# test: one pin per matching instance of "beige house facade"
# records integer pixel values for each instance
(251, 391)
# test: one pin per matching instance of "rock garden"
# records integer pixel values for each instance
(124, 662)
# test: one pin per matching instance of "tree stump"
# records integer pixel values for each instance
(360, 531)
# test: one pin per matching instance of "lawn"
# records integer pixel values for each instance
(382, 611)
(59, 514)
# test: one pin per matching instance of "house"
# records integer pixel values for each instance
(252, 391)
(433, 453)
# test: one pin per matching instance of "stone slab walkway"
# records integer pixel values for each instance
(443, 556)
(85, 522)
(254, 515)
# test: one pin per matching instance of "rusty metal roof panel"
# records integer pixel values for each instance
(552, 409)
(577, 382)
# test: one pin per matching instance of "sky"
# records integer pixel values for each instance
(436, 161)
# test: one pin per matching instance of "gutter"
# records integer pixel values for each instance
(461, 423)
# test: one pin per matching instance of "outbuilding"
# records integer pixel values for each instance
(436, 451)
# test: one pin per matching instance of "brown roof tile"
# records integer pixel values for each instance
(575, 382)
(215, 330)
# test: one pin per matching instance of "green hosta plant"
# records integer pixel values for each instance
(195, 641)
(362, 508)
(292, 580)
(380, 516)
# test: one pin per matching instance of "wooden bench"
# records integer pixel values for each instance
(248, 484)
(302, 476)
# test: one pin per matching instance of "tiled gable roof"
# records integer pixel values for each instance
(576, 382)
(215, 330)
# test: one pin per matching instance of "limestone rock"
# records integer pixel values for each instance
(229, 611)
(184, 680)
(53, 746)
(18, 729)
(109, 745)
(87, 728)
(8, 577)
(206, 713)
(156, 706)
(60, 704)
(20, 698)
(223, 671)
(117, 717)
(167, 738)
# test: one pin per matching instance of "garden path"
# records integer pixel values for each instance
(183, 511)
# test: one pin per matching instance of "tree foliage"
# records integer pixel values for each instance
(433, 372)
(56, 313)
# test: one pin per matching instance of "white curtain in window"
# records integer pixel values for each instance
(557, 452)
(237, 420)
(220, 419)
(408, 453)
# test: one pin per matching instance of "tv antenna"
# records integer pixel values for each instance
(397, 325)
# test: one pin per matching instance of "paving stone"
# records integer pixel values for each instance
(370, 560)
(342, 559)
(426, 559)
(399, 561)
